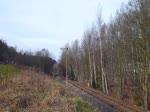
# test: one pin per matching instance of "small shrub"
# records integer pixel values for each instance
(62, 91)
(24, 102)
(83, 107)
(138, 101)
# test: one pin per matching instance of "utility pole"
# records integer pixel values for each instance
(66, 49)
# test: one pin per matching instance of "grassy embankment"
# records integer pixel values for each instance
(36, 92)
(7, 71)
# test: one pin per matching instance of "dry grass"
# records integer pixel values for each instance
(34, 92)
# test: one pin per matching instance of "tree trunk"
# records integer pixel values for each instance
(91, 76)
(95, 81)
(104, 80)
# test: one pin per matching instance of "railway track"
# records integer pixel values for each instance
(112, 102)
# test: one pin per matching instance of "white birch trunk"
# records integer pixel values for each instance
(94, 68)
(104, 80)
(90, 66)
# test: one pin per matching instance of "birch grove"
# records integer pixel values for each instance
(115, 57)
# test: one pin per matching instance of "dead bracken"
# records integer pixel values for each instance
(33, 92)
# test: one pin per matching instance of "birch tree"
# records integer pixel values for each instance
(101, 34)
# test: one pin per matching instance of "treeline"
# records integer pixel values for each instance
(40, 60)
(7, 54)
(115, 57)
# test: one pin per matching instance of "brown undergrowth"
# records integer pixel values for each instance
(34, 92)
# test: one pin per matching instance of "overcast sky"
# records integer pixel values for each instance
(36, 24)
